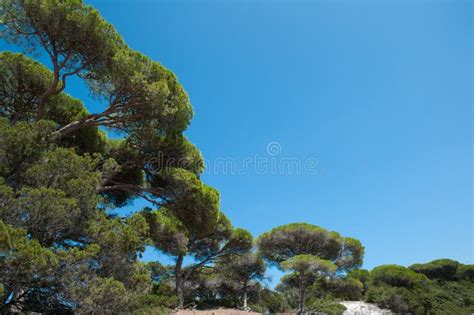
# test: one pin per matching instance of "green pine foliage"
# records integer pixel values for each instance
(437, 287)
(328, 305)
(62, 251)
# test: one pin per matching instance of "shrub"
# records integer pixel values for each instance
(327, 305)
(397, 276)
(346, 289)
(387, 297)
(435, 297)
(147, 304)
(442, 269)
(465, 272)
(270, 301)
(362, 275)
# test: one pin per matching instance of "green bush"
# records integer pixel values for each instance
(270, 301)
(345, 289)
(395, 299)
(327, 305)
(442, 269)
(147, 304)
(164, 295)
(397, 276)
(403, 291)
(362, 275)
(465, 272)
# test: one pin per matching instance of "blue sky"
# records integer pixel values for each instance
(380, 93)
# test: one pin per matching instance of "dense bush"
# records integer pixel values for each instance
(327, 305)
(465, 272)
(405, 291)
(349, 289)
(443, 269)
(345, 289)
(150, 304)
(397, 299)
(397, 276)
(362, 275)
(270, 301)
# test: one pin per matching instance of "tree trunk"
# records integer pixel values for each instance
(179, 278)
(52, 89)
(180, 291)
(245, 295)
(302, 293)
(245, 299)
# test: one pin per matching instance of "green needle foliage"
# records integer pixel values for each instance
(397, 276)
(203, 234)
(74, 36)
(306, 268)
(311, 252)
(286, 241)
(60, 176)
(442, 269)
(438, 287)
(239, 277)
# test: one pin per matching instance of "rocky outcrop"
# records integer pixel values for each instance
(363, 308)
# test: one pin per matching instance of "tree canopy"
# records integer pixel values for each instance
(287, 241)
(306, 269)
(444, 269)
(310, 252)
(60, 175)
(203, 234)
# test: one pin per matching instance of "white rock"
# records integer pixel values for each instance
(363, 308)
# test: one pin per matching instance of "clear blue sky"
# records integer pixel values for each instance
(380, 93)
